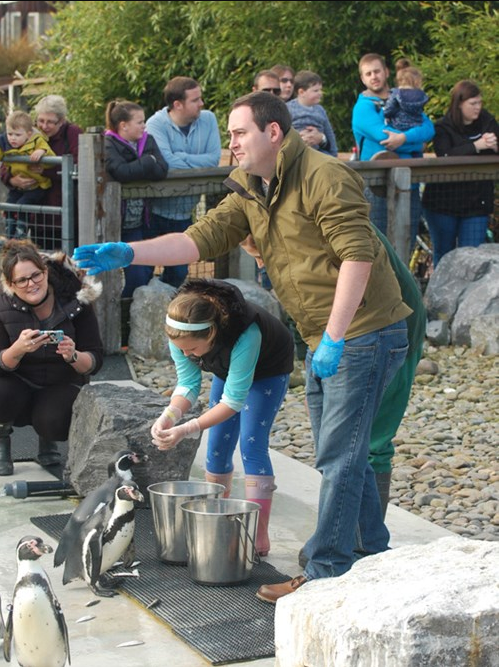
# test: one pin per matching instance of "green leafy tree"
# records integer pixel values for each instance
(464, 41)
(98, 51)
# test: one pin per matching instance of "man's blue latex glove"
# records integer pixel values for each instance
(99, 257)
(327, 356)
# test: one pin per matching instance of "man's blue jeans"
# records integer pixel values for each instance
(342, 410)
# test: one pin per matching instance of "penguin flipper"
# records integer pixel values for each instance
(61, 552)
(7, 636)
(64, 629)
(92, 570)
(73, 566)
(92, 558)
(2, 624)
(93, 565)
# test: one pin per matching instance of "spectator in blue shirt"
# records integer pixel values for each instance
(372, 135)
(188, 138)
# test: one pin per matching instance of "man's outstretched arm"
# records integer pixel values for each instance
(166, 250)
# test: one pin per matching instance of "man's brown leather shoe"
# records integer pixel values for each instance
(272, 592)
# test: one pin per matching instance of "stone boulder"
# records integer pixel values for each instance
(484, 334)
(108, 418)
(435, 605)
(464, 288)
(262, 297)
(147, 336)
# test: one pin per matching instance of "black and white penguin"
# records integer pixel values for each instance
(35, 622)
(105, 538)
(119, 469)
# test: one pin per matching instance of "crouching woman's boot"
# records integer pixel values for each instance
(48, 453)
(6, 465)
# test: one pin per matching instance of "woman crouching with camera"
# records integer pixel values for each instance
(49, 345)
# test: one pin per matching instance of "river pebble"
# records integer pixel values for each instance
(446, 463)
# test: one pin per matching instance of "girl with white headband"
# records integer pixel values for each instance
(211, 327)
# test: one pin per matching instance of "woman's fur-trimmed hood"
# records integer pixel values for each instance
(68, 281)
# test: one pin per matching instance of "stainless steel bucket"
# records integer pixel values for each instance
(221, 539)
(166, 500)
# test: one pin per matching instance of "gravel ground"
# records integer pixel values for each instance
(446, 464)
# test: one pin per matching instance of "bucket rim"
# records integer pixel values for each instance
(248, 504)
(209, 487)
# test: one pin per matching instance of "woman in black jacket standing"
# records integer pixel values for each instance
(132, 155)
(458, 213)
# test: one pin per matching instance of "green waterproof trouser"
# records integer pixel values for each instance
(396, 397)
(391, 412)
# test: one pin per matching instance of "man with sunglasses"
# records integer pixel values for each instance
(267, 81)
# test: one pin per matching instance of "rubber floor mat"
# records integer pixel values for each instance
(223, 623)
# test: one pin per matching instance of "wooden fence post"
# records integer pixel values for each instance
(99, 205)
(398, 206)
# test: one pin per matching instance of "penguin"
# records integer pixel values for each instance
(119, 469)
(35, 622)
(104, 538)
(2, 624)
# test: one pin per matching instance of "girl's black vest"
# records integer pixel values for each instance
(277, 348)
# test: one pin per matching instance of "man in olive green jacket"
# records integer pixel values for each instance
(307, 214)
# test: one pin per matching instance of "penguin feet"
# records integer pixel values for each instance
(103, 592)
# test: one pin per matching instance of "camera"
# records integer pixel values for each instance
(55, 336)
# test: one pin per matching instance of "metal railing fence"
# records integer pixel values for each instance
(51, 227)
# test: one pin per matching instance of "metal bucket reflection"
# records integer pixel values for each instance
(221, 539)
(166, 501)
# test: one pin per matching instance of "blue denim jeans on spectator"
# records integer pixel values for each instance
(342, 410)
(16, 225)
(379, 214)
(173, 275)
(136, 275)
(448, 232)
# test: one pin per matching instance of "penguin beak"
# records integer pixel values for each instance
(40, 548)
(46, 549)
(135, 494)
(139, 458)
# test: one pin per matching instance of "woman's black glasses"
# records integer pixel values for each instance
(35, 278)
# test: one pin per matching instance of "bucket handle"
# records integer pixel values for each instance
(256, 558)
